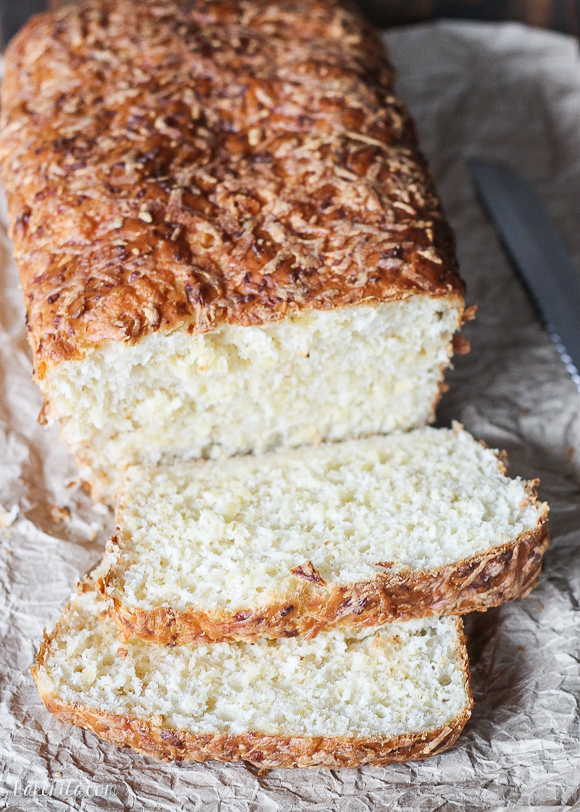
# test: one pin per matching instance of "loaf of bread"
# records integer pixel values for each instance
(350, 534)
(227, 238)
(345, 699)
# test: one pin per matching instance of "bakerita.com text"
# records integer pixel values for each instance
(63, 788)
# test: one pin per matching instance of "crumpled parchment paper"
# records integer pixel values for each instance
(501, 91)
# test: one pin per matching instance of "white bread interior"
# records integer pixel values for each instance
(225, 535)
(319, 375)
(405, 678)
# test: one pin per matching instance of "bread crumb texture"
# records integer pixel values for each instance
(239, 533)
(402, 679)
(317, 376)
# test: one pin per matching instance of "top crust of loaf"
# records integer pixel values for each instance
(185, 164)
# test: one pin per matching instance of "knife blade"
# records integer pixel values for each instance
(537, 251)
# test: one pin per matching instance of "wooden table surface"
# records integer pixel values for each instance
(561, 15)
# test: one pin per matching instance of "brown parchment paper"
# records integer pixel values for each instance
(501, 91)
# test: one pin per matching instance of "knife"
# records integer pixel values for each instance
(538, 252)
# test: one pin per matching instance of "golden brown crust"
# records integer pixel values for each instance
(264, 751)
(174, 164)
(476, 584)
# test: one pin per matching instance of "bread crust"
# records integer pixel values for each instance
(225, 162)
(264, 751)
(478, 583)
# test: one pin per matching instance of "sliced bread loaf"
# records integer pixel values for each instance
(344, 699)
(228, 246)
(352, 534)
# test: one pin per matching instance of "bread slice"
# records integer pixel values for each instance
(355, 534)
(227, 238)
(345, 699)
